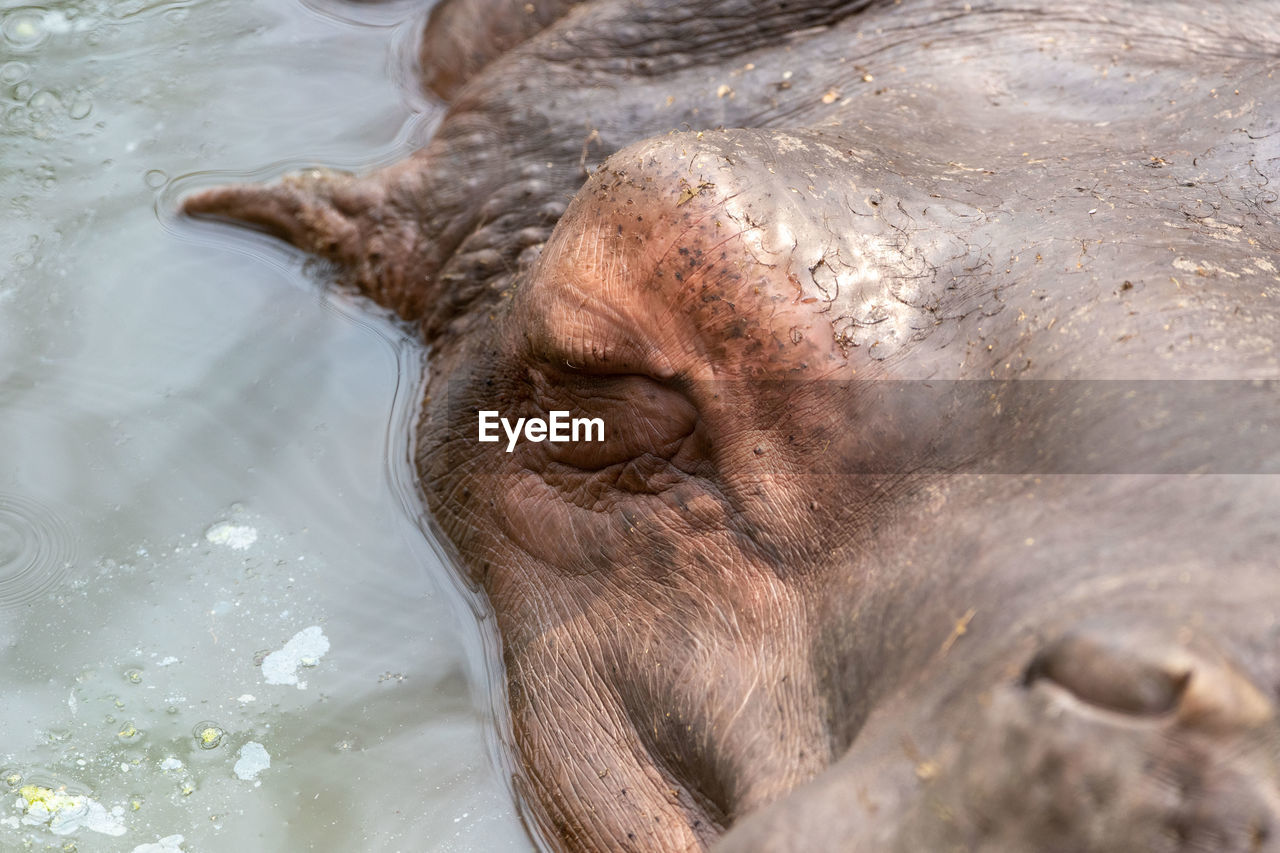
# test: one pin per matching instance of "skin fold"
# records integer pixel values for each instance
(935, 345)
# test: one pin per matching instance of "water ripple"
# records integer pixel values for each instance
(36, 549)
(386, 14)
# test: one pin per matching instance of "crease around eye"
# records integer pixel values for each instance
(641, 415)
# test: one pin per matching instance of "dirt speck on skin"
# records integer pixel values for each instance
(688, 192)
(961, 628)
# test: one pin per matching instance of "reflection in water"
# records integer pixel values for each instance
(221, 625)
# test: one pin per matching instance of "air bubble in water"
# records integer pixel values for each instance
(14, 72)
(80, 108)
(24, 28)
(43, 100)
(42, 104)
(155, 179)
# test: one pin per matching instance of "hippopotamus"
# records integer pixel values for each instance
(924, 354)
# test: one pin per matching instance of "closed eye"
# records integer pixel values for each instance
(640, 416)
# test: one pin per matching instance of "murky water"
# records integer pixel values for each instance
(218, 617)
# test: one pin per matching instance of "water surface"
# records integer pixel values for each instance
(218, 617)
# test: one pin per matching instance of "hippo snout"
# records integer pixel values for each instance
(1201, 731)
(1052, 776)
(1126, 672)
(1116, 739)
(1132, 740)
(1113, 739)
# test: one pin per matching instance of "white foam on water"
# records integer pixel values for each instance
(253, 759)
(304, 649)
(168, 844)
(66, 813)
(237, 537)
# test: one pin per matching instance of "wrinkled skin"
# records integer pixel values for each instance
(790, 604)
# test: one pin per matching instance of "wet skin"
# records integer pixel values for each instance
(907, 532)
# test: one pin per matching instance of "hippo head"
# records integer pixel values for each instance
(861, 416)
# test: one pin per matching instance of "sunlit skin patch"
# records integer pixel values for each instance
(794, 296)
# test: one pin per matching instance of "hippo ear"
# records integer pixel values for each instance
(318, 211)
(353, 222)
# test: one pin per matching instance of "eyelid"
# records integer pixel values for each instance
(589, 358)
(643, 415)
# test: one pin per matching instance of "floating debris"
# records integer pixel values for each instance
(252, 761)
(208, 735)
(237, 537)
(168, 844)
(65, 813)
(304, 649)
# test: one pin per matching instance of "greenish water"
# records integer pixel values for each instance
(219, 617)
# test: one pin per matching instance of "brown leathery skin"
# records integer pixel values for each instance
(814, 591)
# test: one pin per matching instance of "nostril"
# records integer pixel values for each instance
(1132, 674)
(1116, 679)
